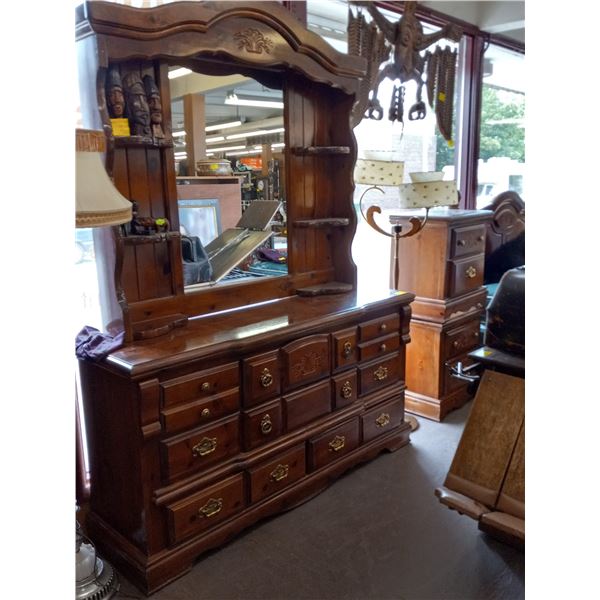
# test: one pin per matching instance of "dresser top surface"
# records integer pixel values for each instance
(240, 329)
(444, 214)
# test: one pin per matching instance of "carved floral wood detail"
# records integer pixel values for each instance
(252, 40)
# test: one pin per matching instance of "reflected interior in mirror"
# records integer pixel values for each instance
(229, 139)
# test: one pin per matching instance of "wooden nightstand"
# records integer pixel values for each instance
(443, 265)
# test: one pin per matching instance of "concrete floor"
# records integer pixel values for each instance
(377, 533)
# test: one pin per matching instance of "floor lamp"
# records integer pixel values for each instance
(426, 190)
(98, 204)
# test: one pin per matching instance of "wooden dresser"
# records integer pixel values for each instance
(199, 434)
(443, 265)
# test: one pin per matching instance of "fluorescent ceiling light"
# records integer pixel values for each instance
(227, 148)
(232, 99)
(180, 154)
(253, 133)
(178, 72)
(280, 145)
(215, 138)
(178, 133)
(241, 153)
(223, 126)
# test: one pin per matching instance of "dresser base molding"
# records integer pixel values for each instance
(435, 408)
(440, 311)
(151, 573)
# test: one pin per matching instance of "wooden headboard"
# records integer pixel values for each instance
(508, 221)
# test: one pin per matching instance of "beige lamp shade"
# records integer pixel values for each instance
(98, 203)
(428, 190)
(378, 172)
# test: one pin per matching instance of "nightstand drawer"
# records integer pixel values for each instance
(461, 339)
(199, 412)
(261, 378)
(205, 509)
(383, 418)
(380, 373)
(193, 451)
(465, 275)
(307, 405)
(201, 384)
(262, 424)
(379, 347)
(467, 240)
(333, 444)
(379, 327)
(277, 474)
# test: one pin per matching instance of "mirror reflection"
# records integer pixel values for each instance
(229, 139)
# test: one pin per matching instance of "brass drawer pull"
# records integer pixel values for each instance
(266, 425)
(205, 386)
(383, 327)
(337, 443)
(471, 272)
(279, 472)
(346, 391)
(382, 420)
(381, 373)
(266, 379)
(382, 348)
(204, 447)
(347, 349)
(205, 412)
(480, 238)
(461, 243)
(211, 508)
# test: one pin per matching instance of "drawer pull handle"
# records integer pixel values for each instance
(383, 327)
(266, 425)
(205, 386)
(204, 447)
(337, 443)
(205, 412)
(381, 373)
(471, 272)
(461, 243)
(347, 349)
(211, 508)
(480, 238)
(456, 344)
(266, 379)
(279, 472)
(382, 420)
(382, 348)
(346, 391)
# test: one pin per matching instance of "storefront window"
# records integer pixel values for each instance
(501, 165)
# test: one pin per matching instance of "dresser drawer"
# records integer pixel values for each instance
(201, 384)
(461, 340)
(467, 240)
(345, 388)
(261, 378)
(345, 349)
(379, 347)
(306, 405)
(333, 444)
(381, 373)
(305, 360)
(378, 327)
(187, 453)
(199, 412)
(277, 474)
(205, 509)
(262, 424)
(465, 275)
(383, 418)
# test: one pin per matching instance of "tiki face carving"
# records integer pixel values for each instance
(137, 105)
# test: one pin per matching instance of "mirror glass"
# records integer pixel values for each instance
(229, 139)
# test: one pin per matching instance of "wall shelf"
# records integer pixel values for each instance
(137, 141)
(321, 150)
(322, 223)
(151, 238)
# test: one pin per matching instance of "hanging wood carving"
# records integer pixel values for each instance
(405, 38)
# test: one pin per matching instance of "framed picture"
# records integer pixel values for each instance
(201, 218)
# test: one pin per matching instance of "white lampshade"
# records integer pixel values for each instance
(428, 190)
(98, 202)
(378, 172)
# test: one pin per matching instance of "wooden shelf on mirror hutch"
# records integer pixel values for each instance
(231, 403)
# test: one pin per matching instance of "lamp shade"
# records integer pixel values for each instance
(428, 190)
(98, 203)
(378, 172)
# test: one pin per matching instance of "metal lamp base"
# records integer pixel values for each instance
(101, 585)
